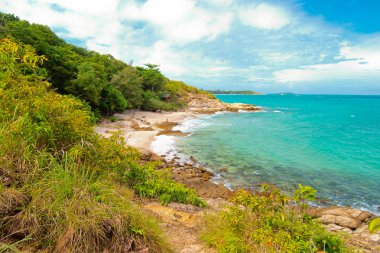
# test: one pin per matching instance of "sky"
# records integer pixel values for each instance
(301, 46)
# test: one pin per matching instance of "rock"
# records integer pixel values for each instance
(184, 207)
(149, 156)
(195, 248)
(333, 227)
(223, 170)
(193, 159)
(172, 133)
(171, 215)
(344, 216)
(375, 238)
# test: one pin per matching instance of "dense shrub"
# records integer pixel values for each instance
(148, 182)
(152, 102)
(112, 100)
(63, 188)
(264, 222)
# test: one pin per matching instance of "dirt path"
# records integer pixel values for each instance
(179, 221)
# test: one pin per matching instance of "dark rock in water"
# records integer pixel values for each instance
(223, 170)
(149, 156)
(378, 208)
(193, 159)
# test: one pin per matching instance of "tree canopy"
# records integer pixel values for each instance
(107, 84)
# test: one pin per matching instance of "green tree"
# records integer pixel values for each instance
(152, 77)
(112, 100)
(90, 82)
(129, 82)
(111, 65)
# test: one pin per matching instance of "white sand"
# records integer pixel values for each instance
(141, 139)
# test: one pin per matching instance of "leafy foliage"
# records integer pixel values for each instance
(112, 100)
(152, 78)
(148, 182)
(94, 77)
(263, 222)
(374, 225)
(129, 82)
(63, 188)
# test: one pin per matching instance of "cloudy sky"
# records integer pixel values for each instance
(304, 46)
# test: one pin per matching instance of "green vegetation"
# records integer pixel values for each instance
(247, 92)
(265, 222)
(105, 83)
(374, 225)
(152, 183)
(63, 188)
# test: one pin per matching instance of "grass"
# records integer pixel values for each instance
(64, 188)
(152, 183)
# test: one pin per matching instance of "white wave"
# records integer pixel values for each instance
(277, 111)
(191, 125)
(164, 145)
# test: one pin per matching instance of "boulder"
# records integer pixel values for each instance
(343, 216)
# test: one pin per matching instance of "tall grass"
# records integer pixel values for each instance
(62, 187)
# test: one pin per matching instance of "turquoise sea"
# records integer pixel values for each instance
(331, 142)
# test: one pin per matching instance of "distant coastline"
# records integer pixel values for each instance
(234, 92)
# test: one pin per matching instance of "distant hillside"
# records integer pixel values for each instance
(248, 92)
(107, 85)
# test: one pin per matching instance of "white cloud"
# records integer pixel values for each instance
(265, 16)
(216, 41)
(180, 20)
(361, 62)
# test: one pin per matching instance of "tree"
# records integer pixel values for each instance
(152, 77)
(112, 100)
(129, 82)
(90, 82)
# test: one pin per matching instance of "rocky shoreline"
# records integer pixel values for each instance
(140, 129)
(350, 222)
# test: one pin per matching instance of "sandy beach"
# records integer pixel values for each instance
(139, 128)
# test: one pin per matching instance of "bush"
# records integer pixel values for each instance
(152, 102)
(151, 183)
(263, 222)
(112, 101)
(60, 188)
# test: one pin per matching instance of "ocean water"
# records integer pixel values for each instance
(330, 142)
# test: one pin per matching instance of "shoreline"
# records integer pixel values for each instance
(141, 129)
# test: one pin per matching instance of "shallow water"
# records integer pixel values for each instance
(330, 142)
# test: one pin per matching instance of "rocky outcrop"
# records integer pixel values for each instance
(191, 175)
(343, 216)
(350, 221)
(203, 104)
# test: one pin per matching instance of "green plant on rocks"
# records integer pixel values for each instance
(264, 221)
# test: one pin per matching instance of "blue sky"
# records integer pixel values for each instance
(302, 46)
